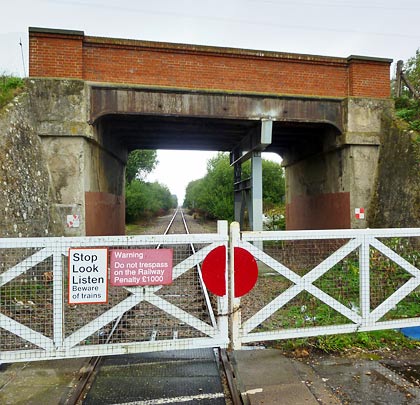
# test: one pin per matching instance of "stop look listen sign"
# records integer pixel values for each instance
(88, 276)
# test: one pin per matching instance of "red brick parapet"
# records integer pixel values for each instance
(71, 54)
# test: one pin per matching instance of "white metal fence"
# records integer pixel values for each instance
(37, 322)
(310, 283)
(329, 282)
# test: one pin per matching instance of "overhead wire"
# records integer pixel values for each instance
(265, 23)
(339, 4)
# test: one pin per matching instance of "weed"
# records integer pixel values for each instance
(409, 110)
(376, 340)
(9, 87)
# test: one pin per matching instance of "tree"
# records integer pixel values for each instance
(217, 192)
(193, 194)
(135, 200)
(145, 200)
(408, 108)
(213, 194)
(273, 184)
(412, 70)
(140, 163)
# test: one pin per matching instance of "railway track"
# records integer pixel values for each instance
(90, 375)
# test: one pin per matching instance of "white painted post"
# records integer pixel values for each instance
(223, 302)
(256, 192)
(364, 280)
(234, 303)
(58, 311)
(237, 194)
(256, 173)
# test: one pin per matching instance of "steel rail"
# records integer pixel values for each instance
(89, 372)
(170, 224)
(200, 275)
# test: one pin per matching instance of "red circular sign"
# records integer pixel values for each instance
(246, 272)
(213, 271)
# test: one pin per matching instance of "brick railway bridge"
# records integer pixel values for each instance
(104, 97)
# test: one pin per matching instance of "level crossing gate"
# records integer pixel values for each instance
(310, 283)
(37, 322)
(328, 282)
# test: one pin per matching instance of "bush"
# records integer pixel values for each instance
(9, 87)
(408, 109)
(144, 200)
(212, 195)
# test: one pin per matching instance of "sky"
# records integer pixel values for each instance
(381, 28)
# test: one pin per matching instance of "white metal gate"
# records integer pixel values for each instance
(329, 282)
(310, 283)
(36, 321)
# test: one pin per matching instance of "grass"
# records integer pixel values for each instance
(388, 340)
(21, 292)
(408, 109)
(10, 87)
(140, 227)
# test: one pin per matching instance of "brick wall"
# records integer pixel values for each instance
(57, 55)
(367, 75)
(70, 54)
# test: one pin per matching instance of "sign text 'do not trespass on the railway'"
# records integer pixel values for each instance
(88, 276)
(141, 267)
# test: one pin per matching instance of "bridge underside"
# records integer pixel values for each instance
(329, 146)
(153, 119)
(145, 119)
(212, 134)
(216, 134)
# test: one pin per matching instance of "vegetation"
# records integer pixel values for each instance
(372, 341)
(144, 199)
(412, 70)
(9, 87)
(212, 195)
(408, 107)
(139, 164)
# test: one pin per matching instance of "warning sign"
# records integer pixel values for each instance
(359, 213)
(88, 276)
(141, 266)
(73, 221)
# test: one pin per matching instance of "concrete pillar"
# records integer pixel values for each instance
(88, 184)
(104, 192)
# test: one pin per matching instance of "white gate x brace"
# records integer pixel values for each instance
(36, 321)
(310, 283)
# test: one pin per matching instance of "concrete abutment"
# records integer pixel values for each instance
(86, 170)
(328, 184)
(330, 147)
